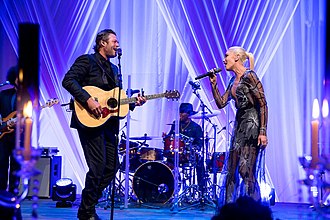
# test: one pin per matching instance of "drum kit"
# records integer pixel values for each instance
(151, 170)
(153, 178)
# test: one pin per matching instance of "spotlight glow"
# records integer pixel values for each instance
(64, 182)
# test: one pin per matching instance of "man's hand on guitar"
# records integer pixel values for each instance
(94, 107)
(140, 100)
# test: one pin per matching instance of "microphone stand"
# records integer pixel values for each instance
(127, 150)
(116, 140)
(203, 106)
(213, 157)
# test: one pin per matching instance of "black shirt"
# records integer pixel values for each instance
(7, 102)
(192, 130)
(7, 106)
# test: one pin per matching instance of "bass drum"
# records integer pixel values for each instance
(153, 182)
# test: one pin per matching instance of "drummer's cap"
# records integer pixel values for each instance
(187, 108)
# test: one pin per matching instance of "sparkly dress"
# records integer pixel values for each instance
(250, 121)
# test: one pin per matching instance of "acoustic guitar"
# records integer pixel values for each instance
(110, 105)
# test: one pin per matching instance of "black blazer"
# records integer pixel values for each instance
(90, 70)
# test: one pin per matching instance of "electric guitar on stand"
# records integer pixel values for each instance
(109, 103)
(7, 125)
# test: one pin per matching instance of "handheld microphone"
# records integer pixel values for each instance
(217, 70)
(195, 85)
(119, 52)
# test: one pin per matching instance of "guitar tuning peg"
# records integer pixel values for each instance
(142, 92)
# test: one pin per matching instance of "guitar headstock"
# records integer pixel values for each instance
(50, 103)
(172, 94)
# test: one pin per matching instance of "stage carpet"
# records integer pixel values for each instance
(47, 210)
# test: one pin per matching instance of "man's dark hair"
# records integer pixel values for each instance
(102, 35)
(12, 74)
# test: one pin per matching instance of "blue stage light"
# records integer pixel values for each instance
(64, 191)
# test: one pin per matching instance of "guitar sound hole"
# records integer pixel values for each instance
(112, 103)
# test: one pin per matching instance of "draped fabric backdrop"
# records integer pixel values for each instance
(166, 44)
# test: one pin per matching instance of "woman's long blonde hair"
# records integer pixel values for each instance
(244, 55)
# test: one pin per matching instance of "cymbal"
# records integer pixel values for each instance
(145, 138)
(199, 115)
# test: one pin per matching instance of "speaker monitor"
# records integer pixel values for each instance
(50, 168)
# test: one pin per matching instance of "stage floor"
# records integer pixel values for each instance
(48, 210)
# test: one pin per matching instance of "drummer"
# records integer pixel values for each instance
(192, 130)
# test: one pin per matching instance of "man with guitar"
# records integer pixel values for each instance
(8, 164)
(99, 138)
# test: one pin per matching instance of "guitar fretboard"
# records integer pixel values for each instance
(147, 97)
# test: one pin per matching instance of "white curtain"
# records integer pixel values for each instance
(166, 44)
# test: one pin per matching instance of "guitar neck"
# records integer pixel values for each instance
(147, 97)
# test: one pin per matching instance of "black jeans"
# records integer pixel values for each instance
(7, 161)
(100, 150)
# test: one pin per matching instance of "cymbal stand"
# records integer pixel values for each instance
(190, 194)
(214, 170)
(175, 206)
(221, 198)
